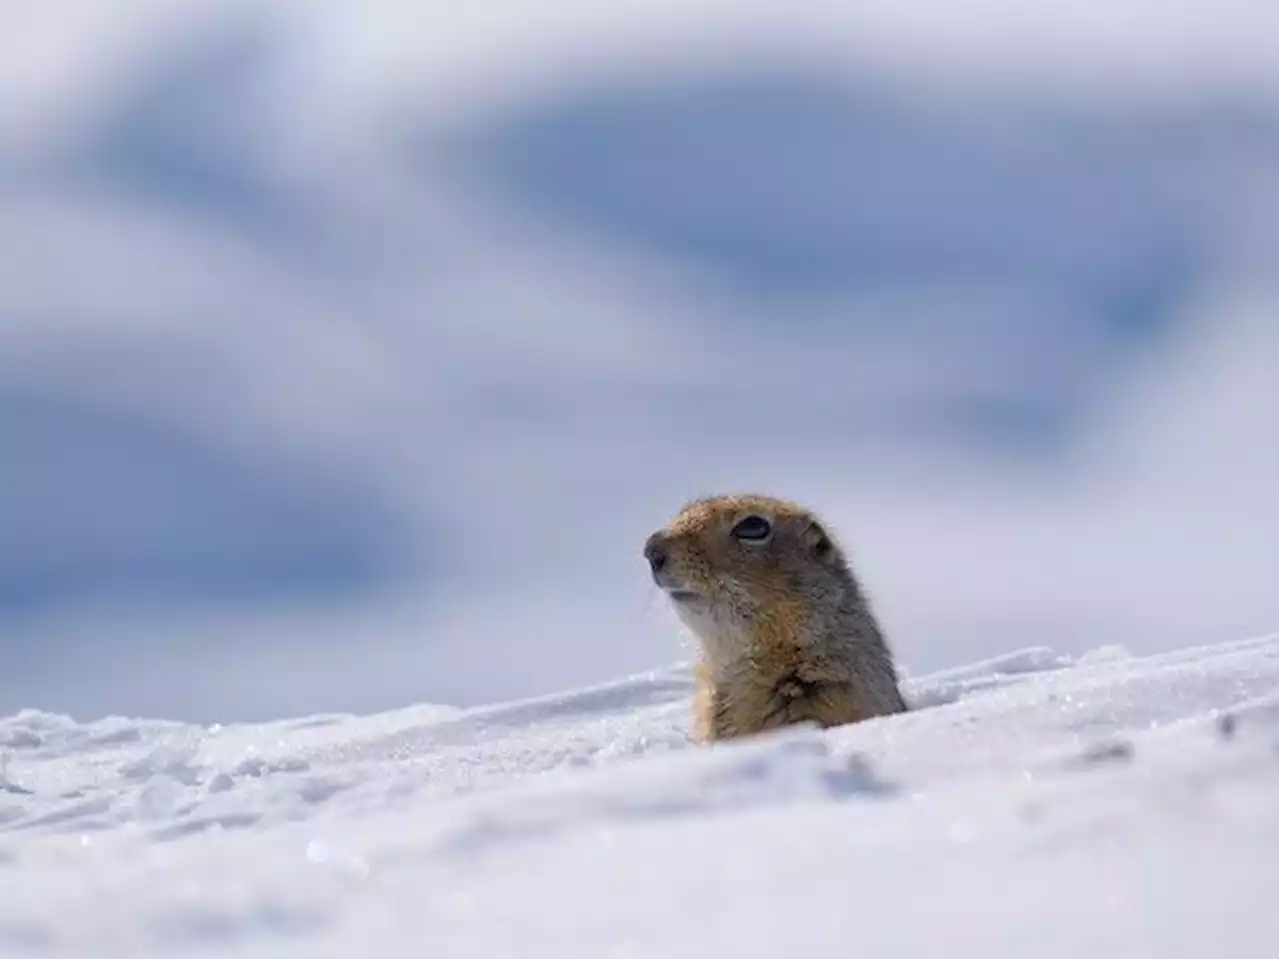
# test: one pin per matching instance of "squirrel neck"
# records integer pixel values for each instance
(807, 620)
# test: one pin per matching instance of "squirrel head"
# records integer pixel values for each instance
(733, 564)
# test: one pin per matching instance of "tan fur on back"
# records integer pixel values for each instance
(784, 631)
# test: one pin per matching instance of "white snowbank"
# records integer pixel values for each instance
(1030, 804)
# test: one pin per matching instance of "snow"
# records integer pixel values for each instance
(1035, 803)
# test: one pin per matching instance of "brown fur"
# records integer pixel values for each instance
(784, 631)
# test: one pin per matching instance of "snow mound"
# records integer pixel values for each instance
(1032, 803)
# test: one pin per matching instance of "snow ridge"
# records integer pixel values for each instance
(1031, 801)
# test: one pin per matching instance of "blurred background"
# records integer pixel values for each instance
(348, 352)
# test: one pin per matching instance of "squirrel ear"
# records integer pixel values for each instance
(819, 543)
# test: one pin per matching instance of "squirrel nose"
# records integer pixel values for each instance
(656, 553)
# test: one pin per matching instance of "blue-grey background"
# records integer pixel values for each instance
(349, 352)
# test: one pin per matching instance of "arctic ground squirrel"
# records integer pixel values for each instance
(785, 633)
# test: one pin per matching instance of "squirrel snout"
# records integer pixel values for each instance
(655, 551)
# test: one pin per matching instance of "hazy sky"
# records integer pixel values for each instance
(342, 369)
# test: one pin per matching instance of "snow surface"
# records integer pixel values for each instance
(1034, 804)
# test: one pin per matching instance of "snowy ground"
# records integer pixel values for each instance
(1031, 805)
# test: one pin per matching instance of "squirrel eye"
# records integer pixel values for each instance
(752, 529)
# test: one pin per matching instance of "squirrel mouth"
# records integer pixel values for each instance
(683, 595)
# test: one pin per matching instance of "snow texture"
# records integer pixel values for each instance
(1031, 804)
